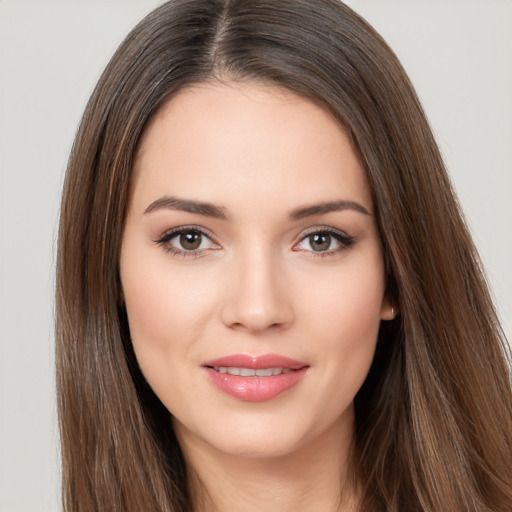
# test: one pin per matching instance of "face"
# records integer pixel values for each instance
(252, 269)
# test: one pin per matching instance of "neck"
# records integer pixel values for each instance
(314, 477)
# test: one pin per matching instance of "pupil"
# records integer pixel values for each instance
(190, 240)
(320, 242)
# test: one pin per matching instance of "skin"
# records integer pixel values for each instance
(255, 286)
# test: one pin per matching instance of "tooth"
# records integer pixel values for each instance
(249, 372)
(267, 372)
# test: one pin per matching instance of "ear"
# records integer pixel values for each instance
(388, 310)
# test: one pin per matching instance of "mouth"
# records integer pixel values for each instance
(250, 372)
(255, 379)
(263, 362)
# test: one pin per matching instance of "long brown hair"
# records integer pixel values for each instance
(434, 417)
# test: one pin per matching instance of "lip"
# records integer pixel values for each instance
(257, 362)
(255, 389)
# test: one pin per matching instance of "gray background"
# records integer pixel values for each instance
(457, 52)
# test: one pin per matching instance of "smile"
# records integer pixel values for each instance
(255, 378)
(250, 372)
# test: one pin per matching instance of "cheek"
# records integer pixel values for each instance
(346, 325)
(166, 310)
(166, 317)
(348, 302)
(359, 309)
(149, 306)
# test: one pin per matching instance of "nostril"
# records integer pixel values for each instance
(255, 326)
(253, 307)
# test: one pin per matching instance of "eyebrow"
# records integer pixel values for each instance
(331, 206)
(187, 205)
(217, 212)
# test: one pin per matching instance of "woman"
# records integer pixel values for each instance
(267, 297)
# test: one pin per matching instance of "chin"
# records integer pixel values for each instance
(258, 445)
(260, 436)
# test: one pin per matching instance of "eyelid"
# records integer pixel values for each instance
(164, 239)
(344, 239)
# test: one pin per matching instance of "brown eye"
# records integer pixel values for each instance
(325, 242)
(320, 241)
(190, 241)
(185, 241)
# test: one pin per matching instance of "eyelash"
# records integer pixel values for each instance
(345, 241)
(165, 239)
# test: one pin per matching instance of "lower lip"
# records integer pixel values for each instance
(255, 389)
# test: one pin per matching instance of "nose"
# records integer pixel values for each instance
(256, 297)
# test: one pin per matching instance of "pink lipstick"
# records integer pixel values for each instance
(255, 379)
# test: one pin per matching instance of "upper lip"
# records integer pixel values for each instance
(256, 362)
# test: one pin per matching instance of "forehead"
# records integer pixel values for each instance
(217, 142)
